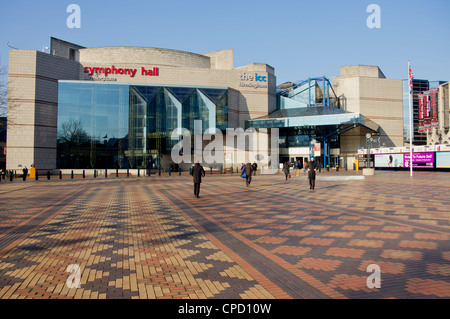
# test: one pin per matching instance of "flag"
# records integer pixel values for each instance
(411, 76)
(411, 125)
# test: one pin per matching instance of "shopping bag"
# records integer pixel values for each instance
(243, 175)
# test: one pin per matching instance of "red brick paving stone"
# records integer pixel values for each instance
(270, 240)
(243, 225)
(350, 217)
(446, 255)
(439, 269)
(394, 268)
(316, 241)
(383, 235)
(398, 228)
(291, 250)
(356, 228)
(350, 282)
(319, 264)
(298, 233)
(432, 236)
(428, 287)
(366, 243)
(371, 222)
(255, 231)
(222, 206)
(279, 226)
(345, 252)
(418, 244)
(402, 254)
(317, 227)
(340, 234)
(334, 222)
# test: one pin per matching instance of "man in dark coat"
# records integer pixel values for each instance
(286, 170)
(312, 168)
(248, 171)
(197, 173)
(254, 168)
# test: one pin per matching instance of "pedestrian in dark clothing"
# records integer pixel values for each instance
(25, 173)
(254, 167)
(312, 168)
(286, 170)
(248, 171)
(197, 173)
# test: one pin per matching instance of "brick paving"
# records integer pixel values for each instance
(150, 238)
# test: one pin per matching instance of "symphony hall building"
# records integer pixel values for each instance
(115, 107)
(118, 108)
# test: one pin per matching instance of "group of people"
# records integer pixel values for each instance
(311, 166)
(247, 170)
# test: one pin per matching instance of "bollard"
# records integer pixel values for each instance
(170, 171)
(128, 172)
(231, 169)
(106, 173)
(84, 174)
(117, 172)
(159, 171)
(95, 173)
(179, 171)
(71, 174)
(11, 176)
(36, 177)
(210, 169)
(139, 172)
(221, 170)
(48, 175)
(60, 174)
(190, 170)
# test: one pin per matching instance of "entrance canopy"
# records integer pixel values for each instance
(312, 117)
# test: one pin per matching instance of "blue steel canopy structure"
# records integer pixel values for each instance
(312, 106)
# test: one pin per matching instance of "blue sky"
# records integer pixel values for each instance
(299, 38)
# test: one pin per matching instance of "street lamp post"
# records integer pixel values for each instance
(369, 140)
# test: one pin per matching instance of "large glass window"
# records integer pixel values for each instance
(103, 125)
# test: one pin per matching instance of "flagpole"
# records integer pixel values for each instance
(411, 126)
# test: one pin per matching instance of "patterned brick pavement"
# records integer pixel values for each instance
(150, 238)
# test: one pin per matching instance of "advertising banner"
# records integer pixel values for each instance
(443, 159)
(420, 160)
(389, 160)
(317, 149)
(434, 107)
(421, 113)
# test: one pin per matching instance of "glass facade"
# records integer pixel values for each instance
(103, 125)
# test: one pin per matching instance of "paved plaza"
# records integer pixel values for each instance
(150, 238)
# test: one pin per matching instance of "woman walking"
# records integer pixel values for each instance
(286, 170)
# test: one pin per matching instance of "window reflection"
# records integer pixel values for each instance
(121, 126)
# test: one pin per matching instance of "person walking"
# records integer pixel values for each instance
(25, 173)
(197, 173)
(312, 168)
(254, 168)
(286, 170)
(298, 165)
(248, 171)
